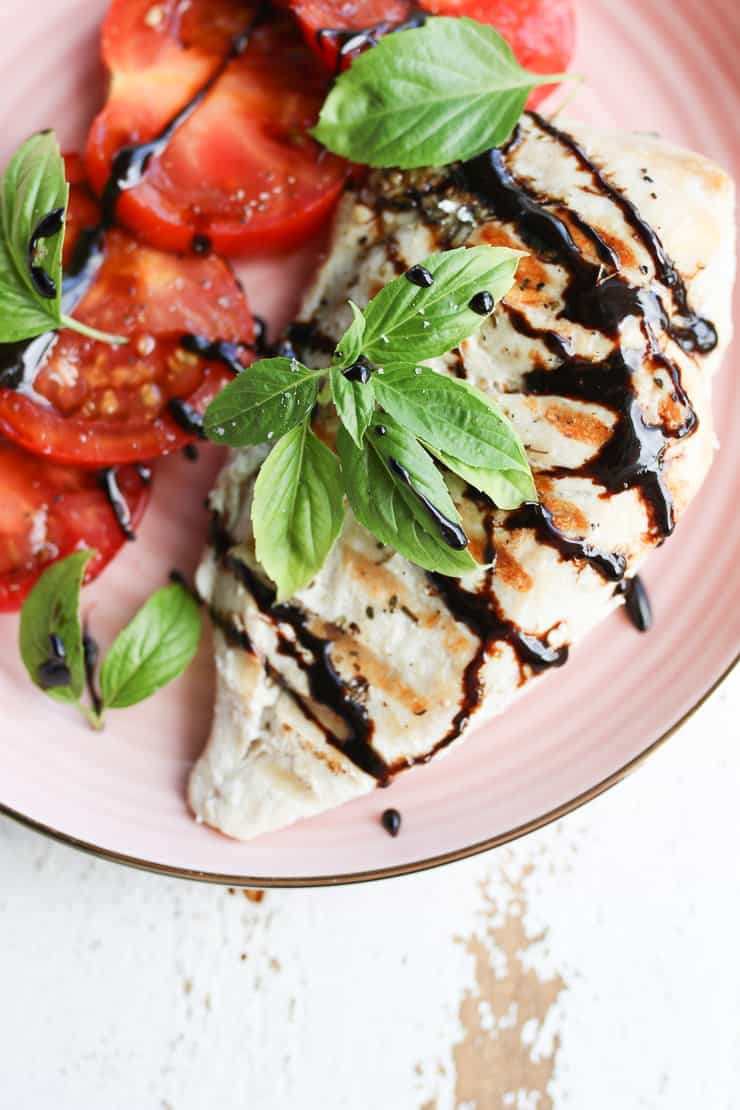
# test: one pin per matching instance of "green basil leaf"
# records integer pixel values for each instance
(426, 97)
(389, 508)
(406, 324)
(52, 609)
(33, 190)
(262, 403)
(152, 650)
(355, 402)
(349, 347)
(297, 509)
(508, 489)
(451, 415)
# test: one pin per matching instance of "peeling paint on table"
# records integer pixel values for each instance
(591, 966)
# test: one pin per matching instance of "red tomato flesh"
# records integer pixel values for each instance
(241, 170)
(92, 404)
(540, 32)
(47, 511)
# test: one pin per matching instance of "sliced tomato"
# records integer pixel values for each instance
(47, 511)
(92, 404)
(241, 171)
(540, 32)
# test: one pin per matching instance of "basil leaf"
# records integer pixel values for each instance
(355, 402)
(508, 489)
(297, 509)
(152, 650)
(263, 402)
(33, 201)
(52, 609)
(389, 508)
(426, 97)
(451, 415)
(349, 347)
(405, 323)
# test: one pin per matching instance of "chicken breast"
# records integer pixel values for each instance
(602, 355)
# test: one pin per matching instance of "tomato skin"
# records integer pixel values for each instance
(540, 32)
(95, 405)
(47, 511)
(241, 170)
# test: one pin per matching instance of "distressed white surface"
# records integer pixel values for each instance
(127, 990)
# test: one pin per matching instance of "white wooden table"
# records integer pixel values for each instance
(592, 966)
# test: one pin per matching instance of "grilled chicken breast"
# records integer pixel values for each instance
(602, 355)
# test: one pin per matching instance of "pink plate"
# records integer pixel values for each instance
(649, 66)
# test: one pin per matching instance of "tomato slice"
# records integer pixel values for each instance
(240, 171)
(540, 32)
(47, 511)
(92, 404)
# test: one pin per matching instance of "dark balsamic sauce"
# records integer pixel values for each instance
(312, 654)
(50, 225)
(637, 603)
(177, 578)
(451, 533)
(419, 275)
(359, 371)
(186, 417)
(390, 819)
(633, 456)
(481, 303)
(478, 611)
(534, 515)
(54, 671)
(307, 337)
(219, 350)
(694, 333)
(201, 245)
(90, 655)
(108, 477)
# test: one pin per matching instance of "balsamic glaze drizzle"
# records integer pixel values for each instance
(535, 515)
(90, 655)
(479, 612)
(188, 418)
(694, 333)
(312, 654)
(637, 603)
(109, 483)
(451, 533)
(633, 456)
(54, 671)
(51, 224)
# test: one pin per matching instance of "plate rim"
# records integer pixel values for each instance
(394, 871)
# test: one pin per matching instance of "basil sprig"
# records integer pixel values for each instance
(152, 650)
(33, 205)
(398, 420)
(429, 96)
